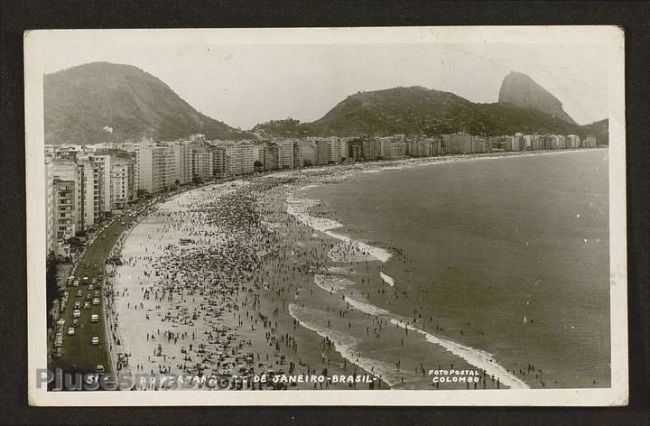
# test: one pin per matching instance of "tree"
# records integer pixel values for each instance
(51, 288)
(75, 243)
(258, 166)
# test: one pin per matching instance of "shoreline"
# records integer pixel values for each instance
(222, 300)
(336, 170)
(325, 209)
(356, 252)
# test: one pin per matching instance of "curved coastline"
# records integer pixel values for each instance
(299, 207)
(476, 357)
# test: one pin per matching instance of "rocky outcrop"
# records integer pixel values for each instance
(520, 90)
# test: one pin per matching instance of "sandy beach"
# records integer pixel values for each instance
(251, 277)
(205, 288)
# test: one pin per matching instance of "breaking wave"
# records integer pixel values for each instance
(387, 279)
(366, 308)
(344, 345)
(331, 283)
(349, 251)
(476, 357)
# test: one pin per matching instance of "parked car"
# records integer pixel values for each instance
(77, 305)
(79, 293)
(76, 313)
(99, 368)
(71, 331)
(94, 318)
(86, 305)
(94, 340)
(58, 352)
(75, 322)
(96, 301)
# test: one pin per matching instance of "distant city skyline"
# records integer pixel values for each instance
(245, 84)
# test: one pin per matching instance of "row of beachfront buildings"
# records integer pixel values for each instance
(88, 183)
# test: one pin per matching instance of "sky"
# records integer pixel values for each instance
(257, 79)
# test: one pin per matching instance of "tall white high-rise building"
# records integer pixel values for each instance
(91, 182)
(183, 162)
(156, 167)
(240, 159)
(68, 170)
(62, 200)
(333, 150)
(49, 206)
(285, 153)
(121, 188)
(220, 161)
(202, 163)
(104, 162)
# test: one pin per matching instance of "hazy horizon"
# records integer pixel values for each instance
(245, 84)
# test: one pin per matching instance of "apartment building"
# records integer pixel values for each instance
(285, 153)
(121, 187)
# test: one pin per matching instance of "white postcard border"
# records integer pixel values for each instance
(35, 42)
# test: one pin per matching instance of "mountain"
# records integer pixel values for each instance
(417, 110)
(520, 90)
(599, 129)
(80, 102)
(83, 102)
(287, 128)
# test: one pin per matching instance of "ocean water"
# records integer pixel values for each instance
(506, 256)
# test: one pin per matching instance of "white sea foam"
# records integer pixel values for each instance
(338, 270)
(366, 308)
(355, 251)
(297, 207)
(344, 344)
(331, 282)
(306, 187)
(476, 357)
(387, 279)
(351, 251)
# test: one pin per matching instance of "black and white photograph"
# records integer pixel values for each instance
(347, 216)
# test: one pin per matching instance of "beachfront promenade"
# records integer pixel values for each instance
(79, 354)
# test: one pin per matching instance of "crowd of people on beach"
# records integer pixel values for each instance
(200, 287)
(206, 284)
